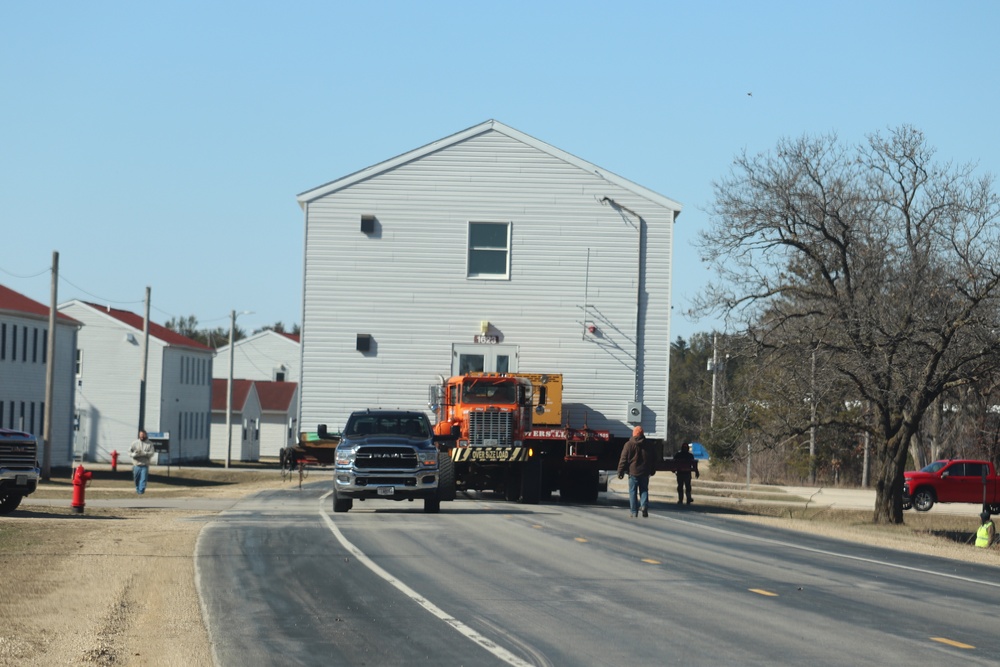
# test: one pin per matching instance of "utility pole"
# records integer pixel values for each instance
(50, 351)
(145, 365)
(229, 392)
(812, 420)
(713, 367)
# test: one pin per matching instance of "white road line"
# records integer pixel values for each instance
(862, 559)
(462, 628)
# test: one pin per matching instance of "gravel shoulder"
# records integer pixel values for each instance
(111, 586)
(116, 585)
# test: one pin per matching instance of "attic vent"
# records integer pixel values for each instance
(364, 342)
(368, 224)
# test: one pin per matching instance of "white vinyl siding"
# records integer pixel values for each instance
(23, 369)
(573, 238)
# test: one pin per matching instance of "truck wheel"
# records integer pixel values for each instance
(512, 484)
(531, 482)
(341, 504)
(923, 500)
(446, 477)
(907, 504)
(994, 509)
(9, 502)
(432, 505)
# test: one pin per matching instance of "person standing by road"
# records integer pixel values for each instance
(638, 460)
(987, 531)
(683, 473)
(142, 451)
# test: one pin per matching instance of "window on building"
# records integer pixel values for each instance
(3, 342)
(79, 363)
(278, 374)
(24, 343)
(45, 346)
(489, 250)
(34, 345)
(13, 342)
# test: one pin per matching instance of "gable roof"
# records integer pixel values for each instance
(241, 391)
(18, 304)
(488, 126)
(276, 396)
(157, 331)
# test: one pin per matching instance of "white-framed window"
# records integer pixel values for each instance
(489, 250)
(79, 362)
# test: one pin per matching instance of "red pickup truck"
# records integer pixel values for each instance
(952, 481)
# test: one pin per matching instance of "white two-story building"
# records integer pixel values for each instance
(487, 250)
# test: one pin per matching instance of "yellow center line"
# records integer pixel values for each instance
(761, 591)
(538, 526)
(951, 642)
(580, 539)
(651, 561)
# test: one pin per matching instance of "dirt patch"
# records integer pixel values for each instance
(110, 586)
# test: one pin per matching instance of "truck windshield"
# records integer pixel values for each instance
(933, 467)
(412, 426)
(489, 390)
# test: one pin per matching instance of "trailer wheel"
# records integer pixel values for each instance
(9, 502)
(994, 509)
(446, 477)
(531, 482)
(588, 486)
(923, 500)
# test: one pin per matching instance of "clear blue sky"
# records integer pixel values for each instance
(140, 139)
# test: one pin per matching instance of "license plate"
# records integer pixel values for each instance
(490, 442)
(386, 490)
(21, 480)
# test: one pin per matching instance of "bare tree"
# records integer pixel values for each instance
(883, 261)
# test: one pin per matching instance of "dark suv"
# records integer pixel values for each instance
(390, 454)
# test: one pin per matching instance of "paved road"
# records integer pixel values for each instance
(284, 580)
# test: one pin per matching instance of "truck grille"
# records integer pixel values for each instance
(18, 454)
(490, 428)
(381, 458)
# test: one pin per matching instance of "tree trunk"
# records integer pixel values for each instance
(890, 464)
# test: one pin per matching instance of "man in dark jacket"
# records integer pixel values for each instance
(639, 462)
(684, 476)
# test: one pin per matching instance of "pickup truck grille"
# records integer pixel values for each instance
(490, 428)
(18, 454)
(382, 458)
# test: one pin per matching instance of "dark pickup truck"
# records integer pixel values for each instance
(952, 481)
(19, 470)
(393, 455)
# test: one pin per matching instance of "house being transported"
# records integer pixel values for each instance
(488, 250)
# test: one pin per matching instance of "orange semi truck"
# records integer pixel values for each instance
(510, 437)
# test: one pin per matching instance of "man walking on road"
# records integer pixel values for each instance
(639, 461)
(684, 476)
(142, 451)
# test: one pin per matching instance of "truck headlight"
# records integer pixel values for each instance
(345, 457)
(428, 459)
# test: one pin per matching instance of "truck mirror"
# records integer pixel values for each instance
(321, 431)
